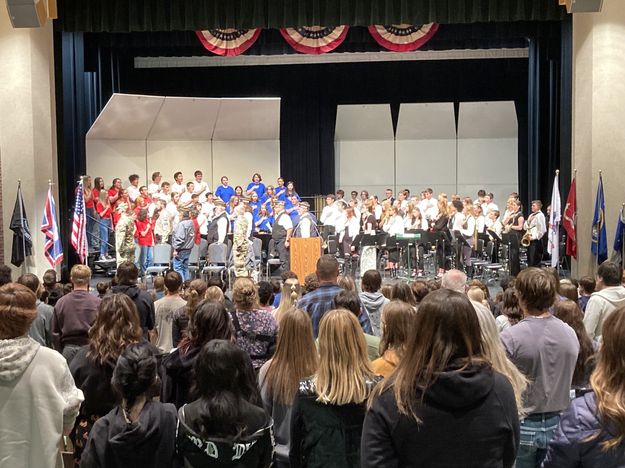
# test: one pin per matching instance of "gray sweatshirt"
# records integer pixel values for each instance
(600, 305)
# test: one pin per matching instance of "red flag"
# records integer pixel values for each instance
(568, 222)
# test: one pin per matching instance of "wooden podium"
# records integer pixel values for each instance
(304, 256)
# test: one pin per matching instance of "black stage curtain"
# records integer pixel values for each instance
(192, 15)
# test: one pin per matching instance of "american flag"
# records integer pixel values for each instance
(79, 236)
(52, 249)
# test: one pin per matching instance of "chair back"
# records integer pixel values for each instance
(194, 256)
(217, 253)
(257, 248)
(162, 254)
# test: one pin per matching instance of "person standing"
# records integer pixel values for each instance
(41, 329)
(281, 235)
(217, 230)
(610, 295)
(307, 225)
(74, 313)
(200, 187)
(224, 191)
(144, 231)
(178, 186)
(545, 350)
(105, 214)
(164, 310)
(125, 235)
(182, 240)
(536, 228)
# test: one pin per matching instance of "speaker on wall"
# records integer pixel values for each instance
(583, 6)
(27, 13)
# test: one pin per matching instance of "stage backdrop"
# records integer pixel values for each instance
(452, 150)
(144, 134)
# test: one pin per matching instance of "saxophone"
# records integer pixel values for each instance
(526, 239)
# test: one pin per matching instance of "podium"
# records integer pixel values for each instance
(304, 255)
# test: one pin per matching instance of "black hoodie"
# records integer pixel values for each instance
(149, 443)
(178, 377)
(144, 303)
(468, 419)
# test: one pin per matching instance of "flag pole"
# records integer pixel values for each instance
(21, 200)
(557, 234)
(622, 240)
(599, 234)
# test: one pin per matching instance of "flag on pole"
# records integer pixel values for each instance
(599, 243)
(568, 221)
(52, 249)
(620, 234)
(22, 240)
(79, 236)
(553, 247)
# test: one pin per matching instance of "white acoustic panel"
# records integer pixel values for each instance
(169, 157)
(363, 122)
(126, 117)
(495, 119)
(422, 164)
(426, 121)
(240, 159)
(185, 119)
(248, 119)
(116, 158)
(364, 165)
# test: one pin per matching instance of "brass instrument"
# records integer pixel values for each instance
(525, 240)
(529, 224)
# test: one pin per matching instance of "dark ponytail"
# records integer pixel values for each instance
(135, 372)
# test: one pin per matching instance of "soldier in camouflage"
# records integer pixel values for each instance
(125, 235)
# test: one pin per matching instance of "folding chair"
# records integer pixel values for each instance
(162, 259)
(216, 260)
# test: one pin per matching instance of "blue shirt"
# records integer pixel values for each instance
(259, 188)
(280, 191)
(321, 300)
(225, 193)
(265, 225)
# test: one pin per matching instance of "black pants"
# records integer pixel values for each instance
(283, 253)
(535, 253)
(513, 253)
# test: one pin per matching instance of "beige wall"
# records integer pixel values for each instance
(27, 129)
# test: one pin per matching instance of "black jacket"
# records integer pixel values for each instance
(254, 448)
(178, 378)
(325, 436)
(143, 301)
(149, 443)
(469, 419)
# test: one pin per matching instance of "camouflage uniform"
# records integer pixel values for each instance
(240, 246)
(125, 239)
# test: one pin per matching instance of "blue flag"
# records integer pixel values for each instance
(620, 232)
(599, 245)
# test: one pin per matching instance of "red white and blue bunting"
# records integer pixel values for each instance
(228, 42)
(403, 37)
(315, 39)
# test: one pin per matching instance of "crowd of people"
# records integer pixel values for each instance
(183, 213)
(313, 373)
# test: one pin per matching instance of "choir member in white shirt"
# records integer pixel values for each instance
(536, 227)
(394, 226)
(350, 230)
(172, 209)
(468, 233)
(133, 188)
(495, 228)
(488, 204)
(413, 219)
(155, 186)
(199, 186)
(329, 212)
(208, 206)
(377, 208)
(178, 186)
(185, 197)
(480, 219)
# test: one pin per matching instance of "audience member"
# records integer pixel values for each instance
(216, 281)
(127, 275)
(586, 288)
(225, 423)
(6, 276)
(195, 293)
(329, 408)
(476, 294)
(320, 301)
(372, 299)
(311, 282)
(347, 283)
(591, 431)
(454, 280)
(255, 330)
(265, 296)
(568, 290)
(52, 288)
(39, 399)
(570, 313)
(74, 314)
(139, 431)
(164, 310)
(445, 401)
(402, 292)
(41, 328)
(116, 326)
(285, 275)
(289, 296)
(511, 312)
(397, 320)
(349, 300)
(209, 321)
(103, 288)
(159, 287)
(387, 290)
(610, 295)
(294, 360)
(420, 289)
(545, 350)
(215, 294)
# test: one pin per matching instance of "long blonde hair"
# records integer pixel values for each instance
(608, 380)
(493, 351)
(291, 292)
(344, 366)
(295, 357)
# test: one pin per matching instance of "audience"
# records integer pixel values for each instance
(444, 405)
(41, 328)
(195, 293)
(568, 290)
(610, 295)
(372, 299)
(215, 294)
(289, 296)
(52, 290)
(311, 282)
(329, 408)
(349, 300)
(6, 276)
(164, 310)
(397, 320)
(585, 289)
(139, 431)
(127, 275)
(511, 312)
(294, 360)
(402, 292)
(545, 350)
(103, 288)
(226, 425)
(591, 431)
(255, 330)
(74, 314)
(285, 275)
(420, 289)
(265, 296)
(39, 401)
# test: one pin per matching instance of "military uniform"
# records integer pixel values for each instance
(125, 239)
(240, 246)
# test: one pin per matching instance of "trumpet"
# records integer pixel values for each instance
(526, 239)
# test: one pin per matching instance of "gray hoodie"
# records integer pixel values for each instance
(600, 305)
(374, 302)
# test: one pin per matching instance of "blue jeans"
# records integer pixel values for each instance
(536, 432)
(181, 263)
(145, 258)
(105, 225)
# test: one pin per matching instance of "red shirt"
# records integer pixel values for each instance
(104, 211)
(145, 233)
(88, 199)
